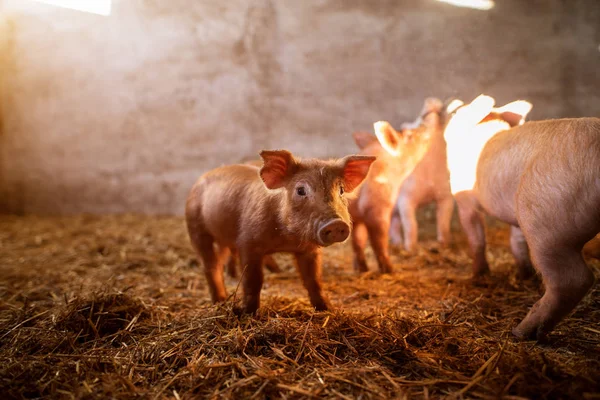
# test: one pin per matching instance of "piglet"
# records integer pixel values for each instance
(429, 182)
(397, 155)
(542, 178)
(289, 205)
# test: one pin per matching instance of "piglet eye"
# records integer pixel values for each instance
(301, 191)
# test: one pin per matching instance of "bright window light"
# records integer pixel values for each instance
(476, 4)
(101, 7)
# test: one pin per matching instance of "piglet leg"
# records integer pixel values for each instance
(396, 228)
(231, 265)
(252, 282)
(271, 264)
(472, 222)
(359, 241)
(520, 251)
(444, 210)
(410, 227)
(309, 267)
(567, 279)
(378, 235)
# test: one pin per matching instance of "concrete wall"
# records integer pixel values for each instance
(122, 113)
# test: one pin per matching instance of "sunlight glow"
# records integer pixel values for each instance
(466, 136)
(476, 4)
(102, 7)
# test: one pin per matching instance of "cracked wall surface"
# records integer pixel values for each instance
(123, 113)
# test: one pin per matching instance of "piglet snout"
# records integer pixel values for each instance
(333, 231)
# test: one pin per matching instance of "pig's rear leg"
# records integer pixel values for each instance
(213, 266)
(410, 227)
(359, 242)
(271, 264)
(396, 228)
(566, 278)
(472, 223)
(378, 236)
(444, 210)
(520, 251)
(232, 265)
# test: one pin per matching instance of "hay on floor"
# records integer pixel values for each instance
(117, 307)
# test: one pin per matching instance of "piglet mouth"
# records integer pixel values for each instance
(333, 231)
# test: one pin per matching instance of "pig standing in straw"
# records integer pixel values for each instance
(542, 178)
(397, 155)
(288, 205)
(430, 181)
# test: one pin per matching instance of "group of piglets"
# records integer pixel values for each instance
(542, 178)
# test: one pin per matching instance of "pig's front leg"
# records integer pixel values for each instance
(444, 210)
(252, 282)
(520, 251)
(472, 223)
(309, 267)
(410, 227)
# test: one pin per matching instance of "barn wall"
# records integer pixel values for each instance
(122, 113)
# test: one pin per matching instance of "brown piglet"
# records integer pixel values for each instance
(397, 155)
(429, 182)
(542, 178)
(289, 205)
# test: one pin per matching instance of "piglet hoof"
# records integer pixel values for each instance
(481, 270)
(360, 266)
(525, 272)
(248, 307)
(323, 306)
(532, 334)
(481, 280)
(386, 269)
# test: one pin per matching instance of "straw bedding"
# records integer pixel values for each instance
(116, 306)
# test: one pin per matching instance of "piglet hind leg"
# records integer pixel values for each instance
(520, 251)
(396, 229)
(444, 210)
(566, 278)
(359, 242)
(410, 227)
(232, 265)
(252, 282)
(309, 267)
(271, 264)
(472, 223)
(212, 261)
(378, 236)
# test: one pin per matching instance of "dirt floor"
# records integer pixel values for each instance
(117, 307)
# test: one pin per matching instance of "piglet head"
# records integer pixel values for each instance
(315, 206)
(408, 145)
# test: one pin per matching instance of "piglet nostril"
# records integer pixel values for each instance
(334, 231)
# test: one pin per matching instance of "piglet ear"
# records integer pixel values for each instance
(277, 168)
(514, 113)
(388, 137)
(453, 105)
(355, 170)
(363, 139)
